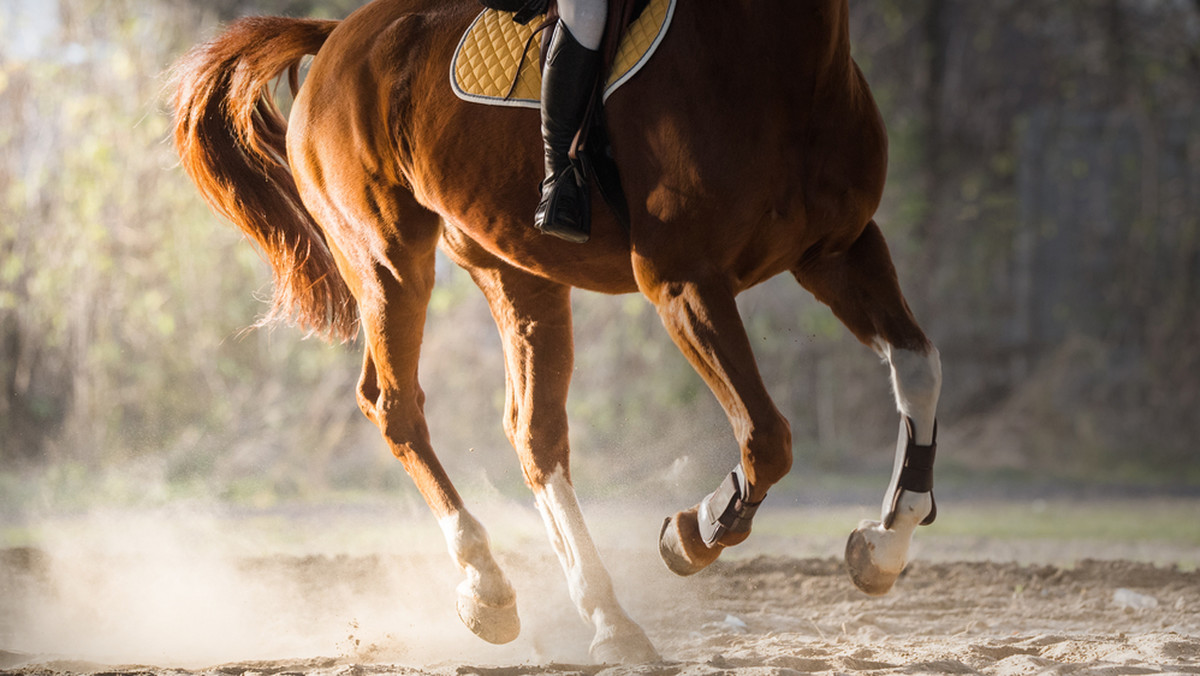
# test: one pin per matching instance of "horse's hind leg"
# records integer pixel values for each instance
(860, 287)
(534, 319)
(389, 265)
(390, 396)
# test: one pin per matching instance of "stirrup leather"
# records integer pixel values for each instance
(727, 509)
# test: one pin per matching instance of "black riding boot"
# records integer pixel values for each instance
(567, 81)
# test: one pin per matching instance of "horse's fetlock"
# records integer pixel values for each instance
(727, 510)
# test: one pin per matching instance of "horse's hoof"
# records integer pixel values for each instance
(629, 647)
(682, 548)
(863, 559)
(494, 624)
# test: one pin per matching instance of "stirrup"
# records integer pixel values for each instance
(727, 509)
(550, 217)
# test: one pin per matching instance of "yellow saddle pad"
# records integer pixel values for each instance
(489, 54)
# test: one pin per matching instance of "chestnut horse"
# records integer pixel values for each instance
(748, 146)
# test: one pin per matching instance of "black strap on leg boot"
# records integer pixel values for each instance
(567, 83)
(916, 474)
(727, 509)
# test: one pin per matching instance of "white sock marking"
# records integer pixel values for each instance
(587, 579)
(917, 383)
(469, 547)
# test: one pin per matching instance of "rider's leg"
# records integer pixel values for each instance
(570, 74)
(586, 20)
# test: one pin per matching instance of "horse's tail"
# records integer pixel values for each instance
(231, 140)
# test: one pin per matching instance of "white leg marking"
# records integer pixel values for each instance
(917, 383)
(890, 546)
(617, 638)
(468, 544)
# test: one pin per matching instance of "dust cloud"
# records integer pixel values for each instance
(368, 588)
(194, 586)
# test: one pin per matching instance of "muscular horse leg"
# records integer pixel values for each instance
(534, 319)
(390, 268)
(486, 600)
(702, 318)
(861, 288)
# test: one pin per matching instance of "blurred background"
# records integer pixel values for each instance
(1043, 209)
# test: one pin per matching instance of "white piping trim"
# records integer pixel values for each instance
(662, 33)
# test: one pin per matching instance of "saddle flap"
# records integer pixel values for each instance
(491, 51)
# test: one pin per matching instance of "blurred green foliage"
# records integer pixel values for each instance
(124, 303)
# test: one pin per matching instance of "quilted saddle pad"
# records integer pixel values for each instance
(489, 53)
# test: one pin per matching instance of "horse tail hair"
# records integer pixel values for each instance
(231, 140)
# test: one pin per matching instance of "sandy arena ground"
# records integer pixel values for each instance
(89, 604)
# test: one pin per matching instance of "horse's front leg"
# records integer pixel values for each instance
(877, 551)
(861, 288)
(702, 318)
(534, 319)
